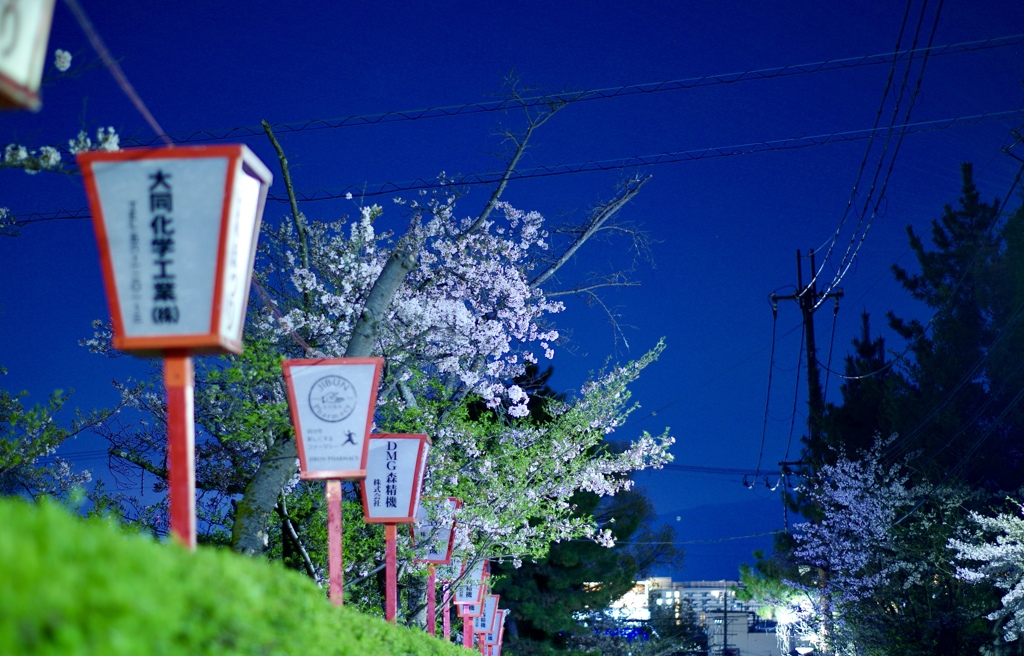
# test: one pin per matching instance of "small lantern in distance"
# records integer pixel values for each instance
(433, 534)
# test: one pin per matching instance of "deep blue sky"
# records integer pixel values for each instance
(726, 229)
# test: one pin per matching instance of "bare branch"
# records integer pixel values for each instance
(282, 511)
(140, 462)
(600, 217)
(297, 217)
(532, 123)
(613, 318)
(590, 288)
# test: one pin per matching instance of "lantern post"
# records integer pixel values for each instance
(469, 597)
(391, 495)
(179, 381)
(449, 574)
(434, 536)
(335, 544)
(446, 603)
(484, 623)
(332, 402)
(176, 230)
(432, 600)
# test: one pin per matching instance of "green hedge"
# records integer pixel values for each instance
(69, 586)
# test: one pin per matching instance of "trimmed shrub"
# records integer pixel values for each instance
(70, 586)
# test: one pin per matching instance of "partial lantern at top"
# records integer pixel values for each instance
(24, 32)
(177, 231)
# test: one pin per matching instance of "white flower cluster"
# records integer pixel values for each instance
(995, 554)
(106, 140)
(102, 340)
(862, 552)
(62, 60)
(466, 312)
(523, 479)
(46, 158)
(861, 500)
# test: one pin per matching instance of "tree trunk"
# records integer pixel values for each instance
(255, 510)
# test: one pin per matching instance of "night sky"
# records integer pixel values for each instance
(753, 119)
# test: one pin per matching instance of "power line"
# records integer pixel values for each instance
(848, 259)
(721, 471)
(115, 69)
(708, 540)
(673, 157)
(768, 394)
(796, 392)
(867, 151)
(580, 96)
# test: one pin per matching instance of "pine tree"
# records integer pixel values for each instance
(550, 597)
(963, 372)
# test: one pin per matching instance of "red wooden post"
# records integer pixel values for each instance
(431, 600)
(467, 631)
(179, 381)
(334, 549)
(447, 605)
(391, 572)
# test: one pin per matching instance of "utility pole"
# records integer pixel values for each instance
(808, 299)
(725, 620)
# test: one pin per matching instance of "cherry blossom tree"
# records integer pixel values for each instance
(459, 306)
(879, 554)
(993, 554)
(455, 301)
(29, 438)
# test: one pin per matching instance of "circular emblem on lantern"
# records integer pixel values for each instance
(332, 398)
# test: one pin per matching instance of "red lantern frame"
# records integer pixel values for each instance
(219, 336)
(417, 483)
(290, 368)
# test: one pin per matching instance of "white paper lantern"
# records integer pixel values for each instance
(177, 231)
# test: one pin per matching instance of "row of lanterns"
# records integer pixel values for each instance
(332, 402)
(177, 231)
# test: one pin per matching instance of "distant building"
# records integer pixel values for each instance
(733, 627)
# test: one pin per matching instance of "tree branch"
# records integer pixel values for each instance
(599, 218)
(591, 288)
(282, 511)
(367, 328)
(533, 122)
(252, 515)
(139, 462)
(297, 217)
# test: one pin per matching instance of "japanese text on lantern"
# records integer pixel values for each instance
(165, 306)
(135, 262)
(391, 489)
